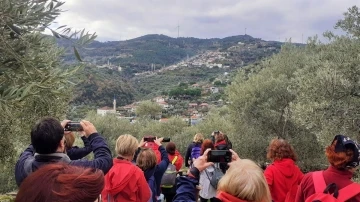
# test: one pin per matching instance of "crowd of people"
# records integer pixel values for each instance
(52, 169)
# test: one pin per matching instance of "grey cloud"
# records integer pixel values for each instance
(270, 20)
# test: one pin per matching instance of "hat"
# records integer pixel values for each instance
(342, 144)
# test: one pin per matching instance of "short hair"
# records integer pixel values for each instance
(280, 149)
(46, 135)
(69, 140)
(146, 159)
(338, 159)
(206, 145)
(245, 180)
(62, 182)
(126, 145)
(198, 138)
(171, 148)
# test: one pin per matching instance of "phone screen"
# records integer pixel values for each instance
(219, 156)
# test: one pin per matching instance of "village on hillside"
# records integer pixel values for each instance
(191, 112)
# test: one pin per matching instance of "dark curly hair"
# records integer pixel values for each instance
(338, 159)
(280, 149)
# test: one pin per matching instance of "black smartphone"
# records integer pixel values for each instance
(149, 139)
(219, 156)
(166, 139)
(73, 126)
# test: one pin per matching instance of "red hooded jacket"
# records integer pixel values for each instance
(125, 182)
(283, 177)
(179, 162)
(225, 197)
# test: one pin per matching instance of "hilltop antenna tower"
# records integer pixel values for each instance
(245, 31)
(178, 28)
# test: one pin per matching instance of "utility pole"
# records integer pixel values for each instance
(178, 29)
(302, 38)
(245, 31)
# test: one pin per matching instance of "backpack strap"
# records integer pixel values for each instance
(319, 181)
(174, 160)
(349, 191)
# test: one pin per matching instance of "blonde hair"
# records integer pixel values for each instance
(146, 159)
(245, 180)
(198, 138)
(70, 139)
(126, 145)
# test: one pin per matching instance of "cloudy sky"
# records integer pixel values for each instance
(266, 19)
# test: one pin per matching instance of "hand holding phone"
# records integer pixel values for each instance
(219, 156)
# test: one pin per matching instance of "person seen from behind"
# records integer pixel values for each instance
(283, 176)
(193, 150)
(207, 191)
(48, 144)
(62, 182)
(125, 181)
(220, 143)
(243, 182)
(146, 161)
(343, 156)
(176, 159)
(74, 152)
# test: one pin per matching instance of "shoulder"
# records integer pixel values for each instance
(270, 168)
(307, 179)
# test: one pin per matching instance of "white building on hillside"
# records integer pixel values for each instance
(107, 110)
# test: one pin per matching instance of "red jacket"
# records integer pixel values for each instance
(341, 178)
(225, 197)
(125, 182)
(283, 176)
(179, 162)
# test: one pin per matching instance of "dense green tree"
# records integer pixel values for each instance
(351, 22)
(34, 82)
(306, 95)
(148, 109)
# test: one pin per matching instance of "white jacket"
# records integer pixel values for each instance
(207, 191)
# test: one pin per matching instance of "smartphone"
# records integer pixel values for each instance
(219, 156)
(73, 126)
(149, 139)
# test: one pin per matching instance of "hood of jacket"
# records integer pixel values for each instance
(119, 176)
(225, 197)
(286, 166)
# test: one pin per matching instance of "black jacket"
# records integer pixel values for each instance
(76, 153)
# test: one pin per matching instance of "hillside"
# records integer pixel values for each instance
(152, 64)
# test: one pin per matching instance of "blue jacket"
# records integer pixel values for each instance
(161, 168)
(186, 189)
(76, 153)
(150, 179)
(28, 163)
